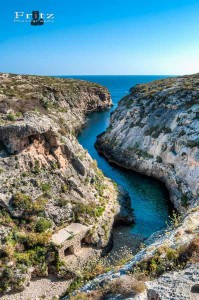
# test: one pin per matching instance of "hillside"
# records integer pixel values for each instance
(48, 181)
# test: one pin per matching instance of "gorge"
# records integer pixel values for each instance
(155, 131)
(150, 200)
(54, 195)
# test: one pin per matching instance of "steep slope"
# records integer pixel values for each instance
(155, 131)
(47, 180)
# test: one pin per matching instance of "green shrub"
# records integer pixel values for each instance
(42, 225)
(36, 168)
(33, 239)
(99, 211)
(23, 258)
(19, 114)
(182, 132)
(62, 202)
(38, 255)
(166, 129)
(64, 188)
(46, 187)
(24, 174)
(11, 117)
(171, 254)
(27, 205)
(159, 159)
(5, 218)
(22, 201)
(185, 200)
(7, 273)
(85, 211)
(144, 154)
(150, 130)
(99, 185)
(158, 264)
(54, 165)
(193, 144)
(141, 153)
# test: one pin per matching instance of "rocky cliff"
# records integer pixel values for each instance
(155, 131)
(47, 180)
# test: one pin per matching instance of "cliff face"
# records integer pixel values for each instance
(155, 131)
(47, 180)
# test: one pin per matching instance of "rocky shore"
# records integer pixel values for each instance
(47, 180)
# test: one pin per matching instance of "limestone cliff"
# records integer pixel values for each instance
(47, 180)
(155, 131)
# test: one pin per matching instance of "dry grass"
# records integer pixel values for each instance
(94, 295)
(193, 250)
(125, 286)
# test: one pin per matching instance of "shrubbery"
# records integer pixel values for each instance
(27, 205)
(42, 225)
(11, 117)
(159, 159)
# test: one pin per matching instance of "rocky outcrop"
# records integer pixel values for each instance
(176, 250)
(47, 180)
(155, 131)
(182, 285)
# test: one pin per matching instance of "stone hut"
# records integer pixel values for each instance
(70, 239)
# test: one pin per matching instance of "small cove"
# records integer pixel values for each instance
(149, 197)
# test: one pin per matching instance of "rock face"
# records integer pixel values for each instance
(155, 131)
(180, 285)
(177, 285)
(162, 250)
(47, 180)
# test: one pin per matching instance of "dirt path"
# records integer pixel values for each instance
(43, 288)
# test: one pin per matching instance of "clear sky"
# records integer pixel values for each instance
(102, 37)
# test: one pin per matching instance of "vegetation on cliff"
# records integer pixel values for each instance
(47, 179)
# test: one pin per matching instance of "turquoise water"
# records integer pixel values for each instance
(149, 197)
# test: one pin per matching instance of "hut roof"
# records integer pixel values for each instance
(68, 233)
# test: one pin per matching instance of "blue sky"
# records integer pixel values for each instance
(102, 37)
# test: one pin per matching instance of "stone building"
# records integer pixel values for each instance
(70, 239)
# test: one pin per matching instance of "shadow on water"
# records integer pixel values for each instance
(150, 198)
